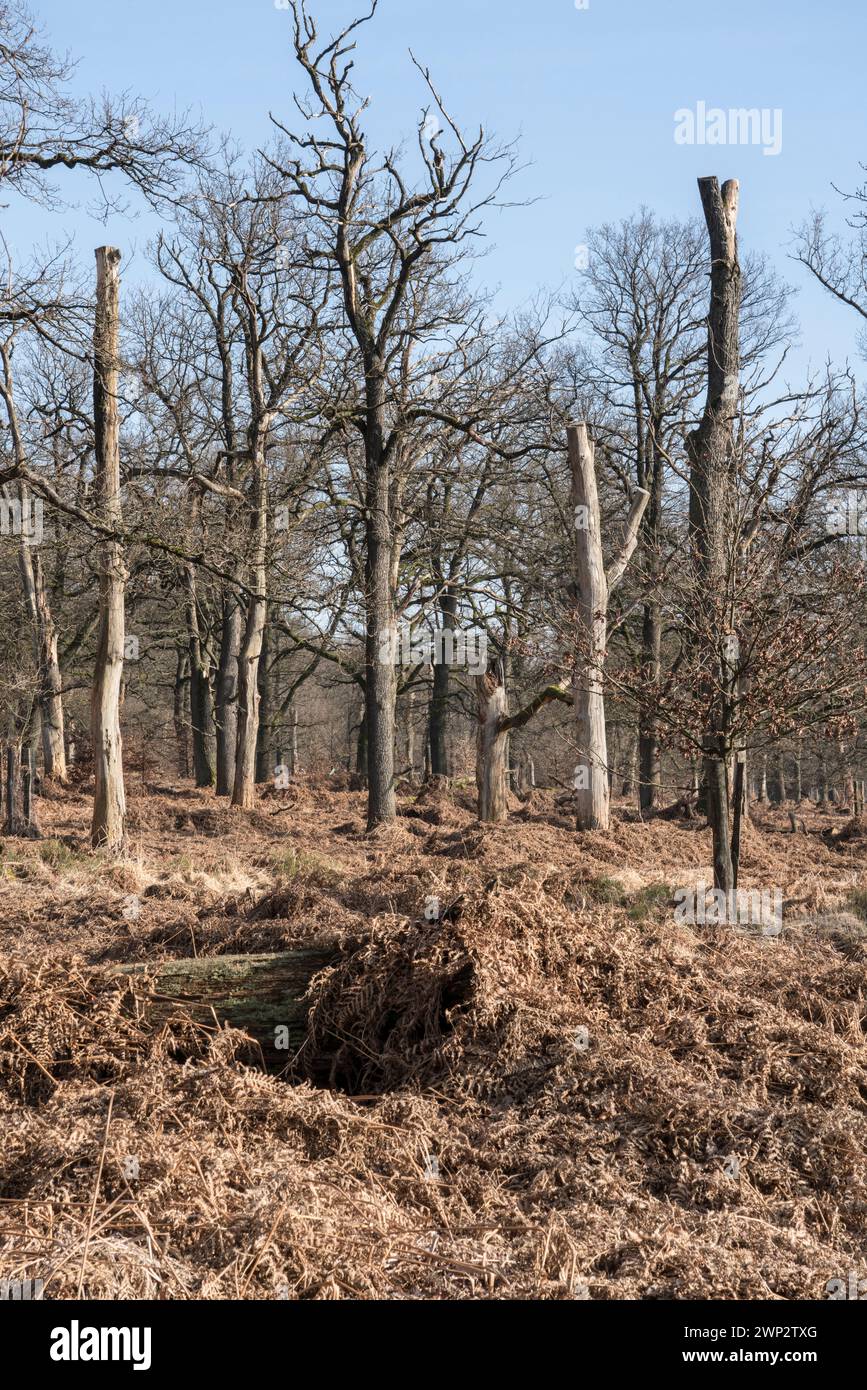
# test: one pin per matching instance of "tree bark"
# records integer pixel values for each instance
(495, 725)
(227, 693)
(593, 588)
(628, 785)
(713, 496)
(265, 746)
(20, 817)
(244, 788)
(738, 811)
(108, 827)
(492, 747)
(591, 788)
(380, 681)
(182, 727)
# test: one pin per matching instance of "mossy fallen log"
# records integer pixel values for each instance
(260, 994)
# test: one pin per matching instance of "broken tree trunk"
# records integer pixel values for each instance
(108, 828)
(713, 503)
(249, 656)
(20, 765)
(262, 995)
(593, 589)
(492, 745)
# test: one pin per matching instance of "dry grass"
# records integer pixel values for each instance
(556, 1092)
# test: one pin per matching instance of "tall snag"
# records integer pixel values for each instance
(593, 585)
(109, 802)
(712, 504)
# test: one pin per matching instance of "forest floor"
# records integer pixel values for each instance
(557, 1091)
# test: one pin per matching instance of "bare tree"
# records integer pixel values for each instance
(44, 128)
(840, 267)
(379, 233)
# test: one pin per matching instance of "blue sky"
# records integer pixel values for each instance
(590, 92)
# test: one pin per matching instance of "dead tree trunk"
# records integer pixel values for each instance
(492, 739)
(492, 746)
(712, 503)
(227, 694)
(593, 589)
(109, 802)
(20, 770)
(244, 788)
(262, 995)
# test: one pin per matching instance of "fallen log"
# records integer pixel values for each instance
(262, 995)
